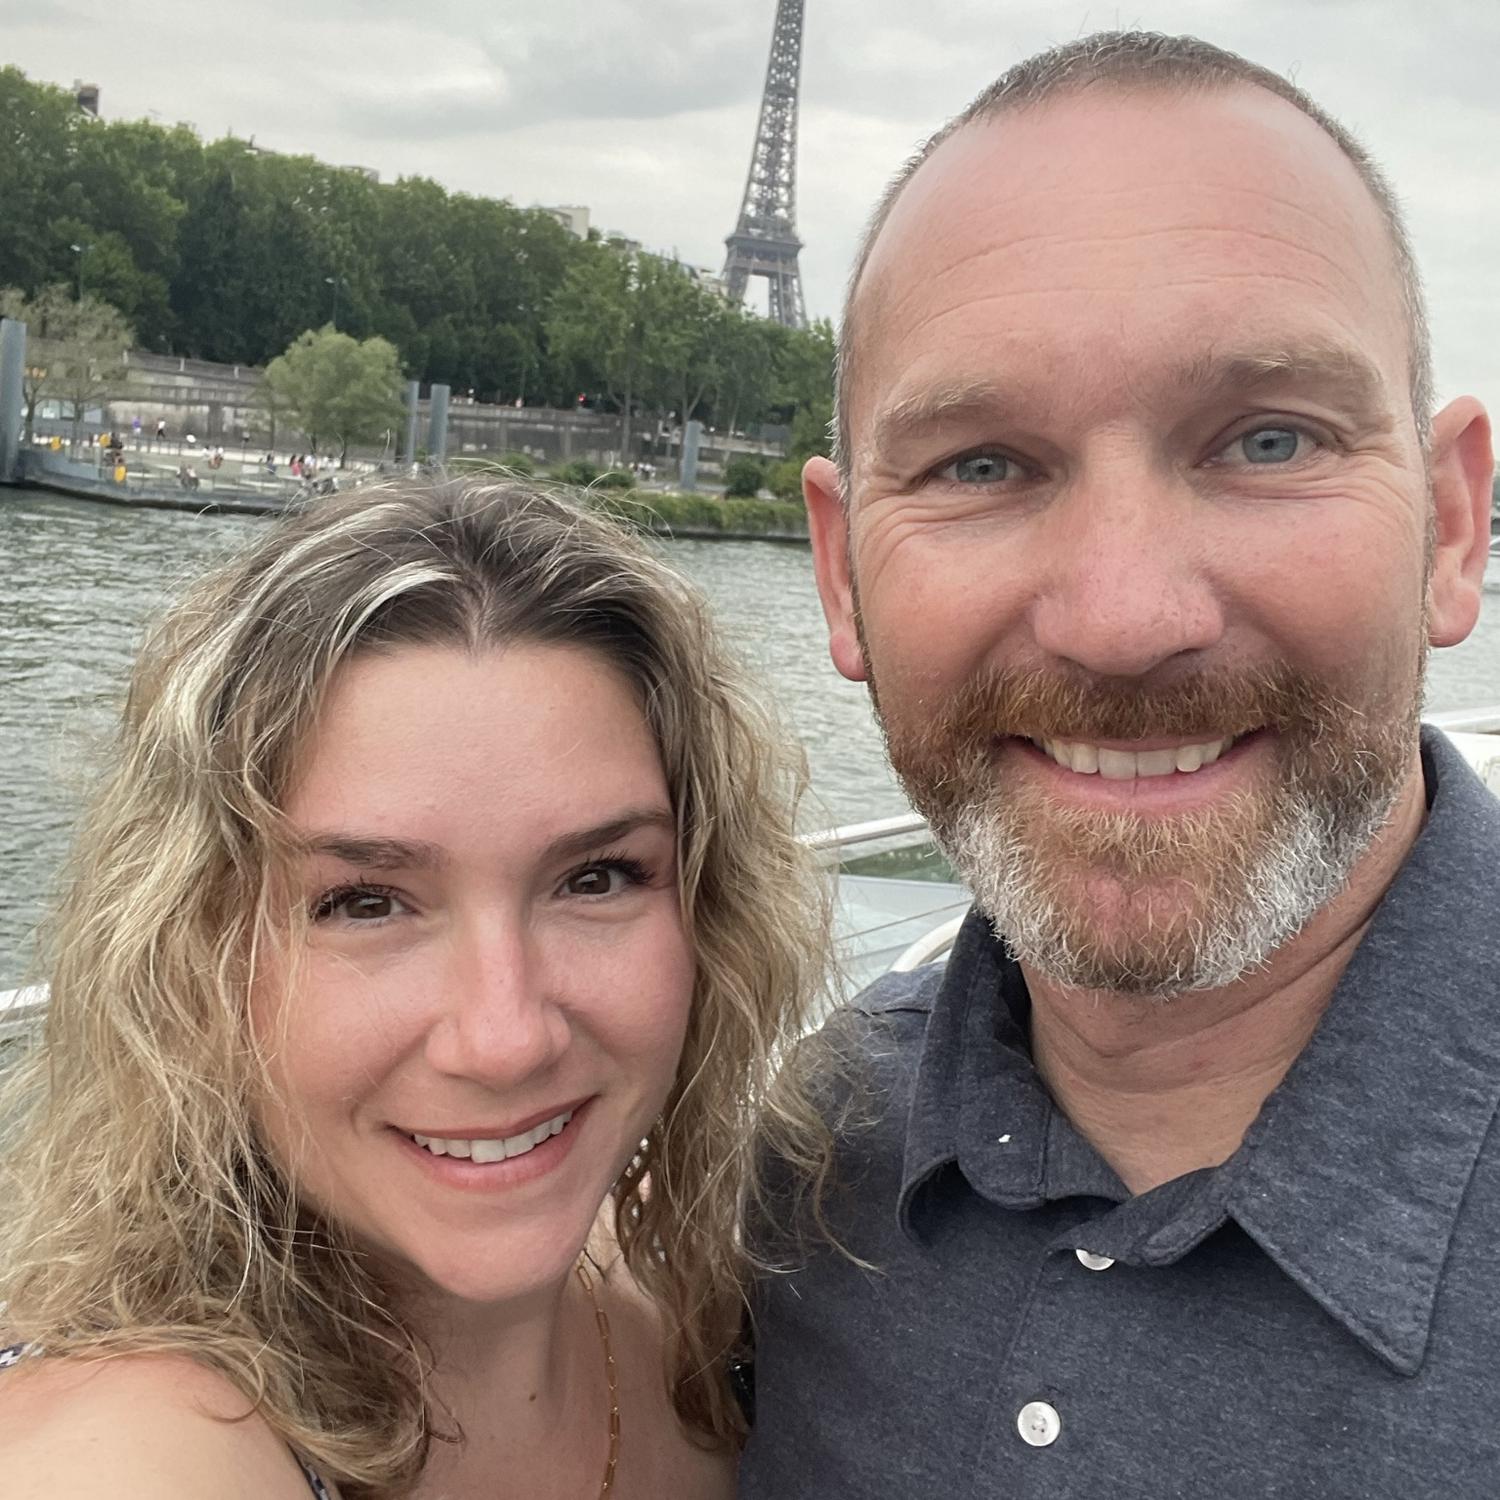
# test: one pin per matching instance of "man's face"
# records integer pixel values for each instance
(1136, 556)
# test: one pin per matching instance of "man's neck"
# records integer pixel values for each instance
(1163, 1087)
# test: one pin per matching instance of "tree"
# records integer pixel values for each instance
(684, 322)
(75, 351)
(806, 374)
(335, 386)
(596, 322)
(743, 368)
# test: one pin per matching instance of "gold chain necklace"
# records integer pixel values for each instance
(611, 1376)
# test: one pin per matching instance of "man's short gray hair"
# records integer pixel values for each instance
(1143, 60)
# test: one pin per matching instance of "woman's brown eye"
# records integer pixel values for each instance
(368, 905)
(593, 882)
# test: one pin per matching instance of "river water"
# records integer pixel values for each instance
(79, 581)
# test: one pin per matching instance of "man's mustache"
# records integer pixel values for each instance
(1222, 704)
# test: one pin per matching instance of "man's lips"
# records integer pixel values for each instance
(1162, 772)
(1124, 760)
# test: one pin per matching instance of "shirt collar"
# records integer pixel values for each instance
(1352, 1176)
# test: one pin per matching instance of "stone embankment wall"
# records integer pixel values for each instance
(218, 404)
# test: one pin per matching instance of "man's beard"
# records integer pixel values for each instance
(1161, 905)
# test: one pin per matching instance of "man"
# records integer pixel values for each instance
(1183, 1177)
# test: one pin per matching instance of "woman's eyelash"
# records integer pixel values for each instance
(330, 901)
(631, 868)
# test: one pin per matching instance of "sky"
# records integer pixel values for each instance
(645, 110)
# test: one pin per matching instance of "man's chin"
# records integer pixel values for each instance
(1135, 935)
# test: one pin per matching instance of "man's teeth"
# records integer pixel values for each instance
(1126, 765)
(495, 1150)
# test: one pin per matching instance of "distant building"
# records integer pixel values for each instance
(368, 173)
(709, 279)
(572, 216)
(87, 95)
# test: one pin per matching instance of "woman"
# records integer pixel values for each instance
(445, 888)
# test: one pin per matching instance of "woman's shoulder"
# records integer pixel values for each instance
(137, 1425)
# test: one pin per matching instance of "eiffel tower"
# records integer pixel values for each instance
(764, 242)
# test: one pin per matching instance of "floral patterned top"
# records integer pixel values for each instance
(17, 1352)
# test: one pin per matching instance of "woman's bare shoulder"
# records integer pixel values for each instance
(136, 1426)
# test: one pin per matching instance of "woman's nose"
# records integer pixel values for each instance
(497, 1021)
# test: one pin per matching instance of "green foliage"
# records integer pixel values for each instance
(743, 477)
(784, 480)
(703, 514)
(615, 479)
(334, 386)
(518, 463)
(577, 471)
(222, 252)
(75, 349)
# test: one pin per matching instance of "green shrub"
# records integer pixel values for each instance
(624, 506)
(615, 479)
(577, 471)
(666, 513)
(743, 477)
(760, 517)
(785, 481)
(518, 463)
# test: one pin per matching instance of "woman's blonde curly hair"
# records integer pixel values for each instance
(141, 1213)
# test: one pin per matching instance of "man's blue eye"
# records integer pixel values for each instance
(979, 468)
(1270, 445)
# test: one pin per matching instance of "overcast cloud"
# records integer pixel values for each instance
(644, 109)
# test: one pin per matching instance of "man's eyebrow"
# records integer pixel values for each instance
(914, 414)
(368, 852)
(1340, 374)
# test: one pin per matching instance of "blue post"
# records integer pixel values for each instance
(12, 379)
(437, 425)
(692, 439)
(413, 396)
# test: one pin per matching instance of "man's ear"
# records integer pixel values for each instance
(828, 525)
(1462, 468)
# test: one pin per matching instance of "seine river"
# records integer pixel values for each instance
(79, 581)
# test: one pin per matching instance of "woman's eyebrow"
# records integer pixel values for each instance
(373, 852)
(615, 829)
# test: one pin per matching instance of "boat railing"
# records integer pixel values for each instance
(847, 835)
(1467, 720)
(19, 1006)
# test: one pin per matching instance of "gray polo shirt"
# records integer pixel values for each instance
(1319, 1316)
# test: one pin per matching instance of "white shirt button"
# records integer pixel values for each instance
(1092, 1261)
(1038, 1424)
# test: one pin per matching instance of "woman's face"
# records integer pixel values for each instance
(490, 1006)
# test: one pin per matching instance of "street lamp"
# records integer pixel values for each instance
(80, 251)
(335, 282)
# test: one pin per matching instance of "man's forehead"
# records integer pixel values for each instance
(1063, 188)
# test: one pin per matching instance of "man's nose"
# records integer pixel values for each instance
(1125, 579)
(498, 1020)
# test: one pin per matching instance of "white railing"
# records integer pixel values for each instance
(1453, 721)
(19, 1005)
(865, 833)
(1467, 720)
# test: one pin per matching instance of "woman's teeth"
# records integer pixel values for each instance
(1127, 765)
(495, 1150)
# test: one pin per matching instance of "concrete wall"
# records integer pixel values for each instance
(218, 405)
